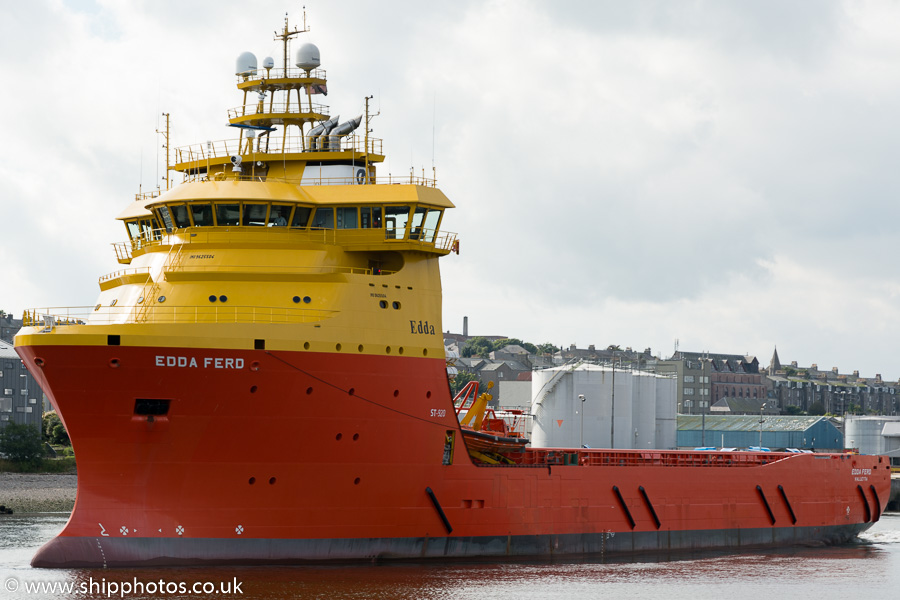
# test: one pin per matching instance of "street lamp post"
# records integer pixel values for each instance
(581, 397)
(761, 423)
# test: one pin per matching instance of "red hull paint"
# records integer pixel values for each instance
(299, 456)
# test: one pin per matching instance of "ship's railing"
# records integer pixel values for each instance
(644, 458)
(348, 238)
(124, 272)
(269, 146)
(282, 73)
(278, 108)
(280, 269)
(123, 250)
(104, 315)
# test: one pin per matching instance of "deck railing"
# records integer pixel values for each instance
(160, 313)
(348, 238)
(269, 147)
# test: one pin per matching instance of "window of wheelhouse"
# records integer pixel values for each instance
(180, 215)
(228, 214)
(301, 217)
(150, 229)
(323, 218)
(370, 217)
(395, 220)
(346, 217)
(254, 215)
(280, 215)
(202, 215)
(134, 230)
(430, 226)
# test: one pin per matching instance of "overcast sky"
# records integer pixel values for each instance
(717, 172)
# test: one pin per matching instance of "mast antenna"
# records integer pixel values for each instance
(287, 34)
(166, 146)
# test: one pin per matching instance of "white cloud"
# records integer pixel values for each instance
(631, 173)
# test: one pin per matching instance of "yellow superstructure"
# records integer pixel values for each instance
(287, 241)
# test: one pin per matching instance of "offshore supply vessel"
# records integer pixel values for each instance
(264, 381)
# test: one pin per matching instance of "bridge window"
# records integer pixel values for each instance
(202, 215)
(279, 215)
(134, 230)
(395, 220)
(255, 215)
(323, 218)
(180, 215)
(301, 216)
(425, 222)
(346, 217)
(228, 214)
(370, 217)
(432, 219)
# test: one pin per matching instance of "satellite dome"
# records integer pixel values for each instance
(268, 62)
(307, 57)
(246, 64)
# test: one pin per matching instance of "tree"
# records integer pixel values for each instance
(546, 348)
(461, 379)
(21, 444)
(54, 431)
(477, 346)
(816, 408)
(793, 410)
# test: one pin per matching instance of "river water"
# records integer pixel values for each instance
(869, 567)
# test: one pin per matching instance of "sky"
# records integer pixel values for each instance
(718, 174)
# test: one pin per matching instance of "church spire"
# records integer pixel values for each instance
(775, 365)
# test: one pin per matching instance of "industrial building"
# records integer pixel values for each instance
(768, 431)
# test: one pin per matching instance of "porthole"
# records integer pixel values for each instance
(337, 347)
(309, 391)
(360, 348)
(141, 299)
(428, 394)
(356, 481)
(96, 308)
(396, 305)
(400, 350)
(272, 481)
(396, 393)
(223, 298)
(212, 298)
(253, 389)
(338, 436)
(383, 304)
(161, 299)
(113, 303)
(296, 299)
(355, 436)
(351, 391)
(387, 349)
(306, 345)
(252, 480)
(307, 299)
(424, 351)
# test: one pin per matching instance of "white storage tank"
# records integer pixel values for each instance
(563, 420)
(872, 435)
(666, 412)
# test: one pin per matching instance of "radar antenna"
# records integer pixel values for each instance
(287, 34)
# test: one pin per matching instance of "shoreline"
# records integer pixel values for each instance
(38, 492)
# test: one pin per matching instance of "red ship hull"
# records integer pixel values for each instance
(288, 457)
